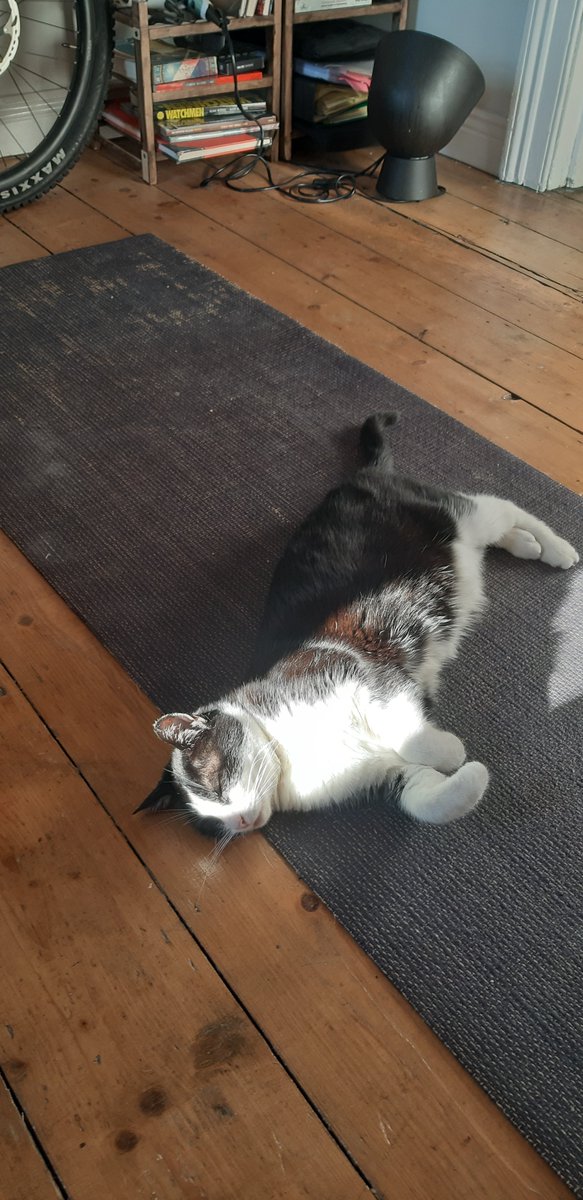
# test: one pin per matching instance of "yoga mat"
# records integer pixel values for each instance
(163, 432)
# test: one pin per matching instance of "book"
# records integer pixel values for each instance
(334, 103)
(196, 134)
(204, 85)
(214, 148)
(319, 5)
(170, 64)
(356, 73)
(205, 109)
(357, 113)
(116, 116)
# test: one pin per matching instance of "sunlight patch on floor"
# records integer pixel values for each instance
(566, 679)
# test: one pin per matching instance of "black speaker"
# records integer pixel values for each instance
(422, 89)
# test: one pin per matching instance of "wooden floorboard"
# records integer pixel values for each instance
(573, 194)
(24, 1174)
(514, 204)
(485, 283)
(359, 1094)
(62, 222)
(500, 352)
(16, 246)
(127, 1052)
(509, 224)
(486, 231)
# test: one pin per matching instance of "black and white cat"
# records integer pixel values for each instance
(369, 601)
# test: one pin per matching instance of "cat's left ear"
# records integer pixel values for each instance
(180, 729)
(164, 795)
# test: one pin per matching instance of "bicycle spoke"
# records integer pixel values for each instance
(33, 115)
(42, 96)
(35, 20)
(14, 138)
(45, 78)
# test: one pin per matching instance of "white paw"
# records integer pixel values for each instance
(452, 752)
(465, 790)
(558, 553)
(522, 544)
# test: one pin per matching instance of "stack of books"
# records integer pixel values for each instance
(205, 128)
(334, 105)
(178, 69)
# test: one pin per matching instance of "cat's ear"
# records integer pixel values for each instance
(180, 729)
(163, 796)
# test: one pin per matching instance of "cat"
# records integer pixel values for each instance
(368, 603)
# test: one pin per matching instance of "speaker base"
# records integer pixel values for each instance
(405, 179)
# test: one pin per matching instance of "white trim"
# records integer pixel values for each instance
(545, 127)
(480, 141)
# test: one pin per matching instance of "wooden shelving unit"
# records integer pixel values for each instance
(136, 20)
(290, 19)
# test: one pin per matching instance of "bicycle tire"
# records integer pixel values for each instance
(58, 152)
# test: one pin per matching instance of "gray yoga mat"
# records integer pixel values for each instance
(162, 434)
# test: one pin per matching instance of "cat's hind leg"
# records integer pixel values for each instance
(433, 747)
(430, 796)
(494, 522)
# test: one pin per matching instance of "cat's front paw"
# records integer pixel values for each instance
(558, 553)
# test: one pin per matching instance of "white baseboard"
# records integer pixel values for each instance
(480, 141)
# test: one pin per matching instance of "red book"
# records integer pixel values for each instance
(204, 85)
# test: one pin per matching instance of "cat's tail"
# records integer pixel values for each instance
(375, 440)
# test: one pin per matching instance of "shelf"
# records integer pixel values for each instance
(291, 21)
(142, 33)
(192, 28)
(334, 14)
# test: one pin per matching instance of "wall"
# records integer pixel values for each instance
(491, 32)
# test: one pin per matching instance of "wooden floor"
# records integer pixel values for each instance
(164, 1039)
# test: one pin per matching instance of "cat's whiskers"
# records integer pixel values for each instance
(261, 755)
(207, 866)
(263, 773)
(179, 816)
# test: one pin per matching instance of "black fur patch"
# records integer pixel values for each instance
(375, 530)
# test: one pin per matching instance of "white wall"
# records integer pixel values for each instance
(491, 32)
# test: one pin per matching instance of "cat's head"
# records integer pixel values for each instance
(223, 773)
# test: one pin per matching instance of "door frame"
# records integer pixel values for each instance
(544, 138)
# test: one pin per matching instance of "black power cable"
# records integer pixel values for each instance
(311, 185)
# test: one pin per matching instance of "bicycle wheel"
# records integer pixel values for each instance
(55, 63)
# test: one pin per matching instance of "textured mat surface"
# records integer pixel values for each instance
(162, 434)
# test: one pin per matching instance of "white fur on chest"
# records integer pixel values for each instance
(333, 747)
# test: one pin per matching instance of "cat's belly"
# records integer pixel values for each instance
(335, 748)
(308, 786)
